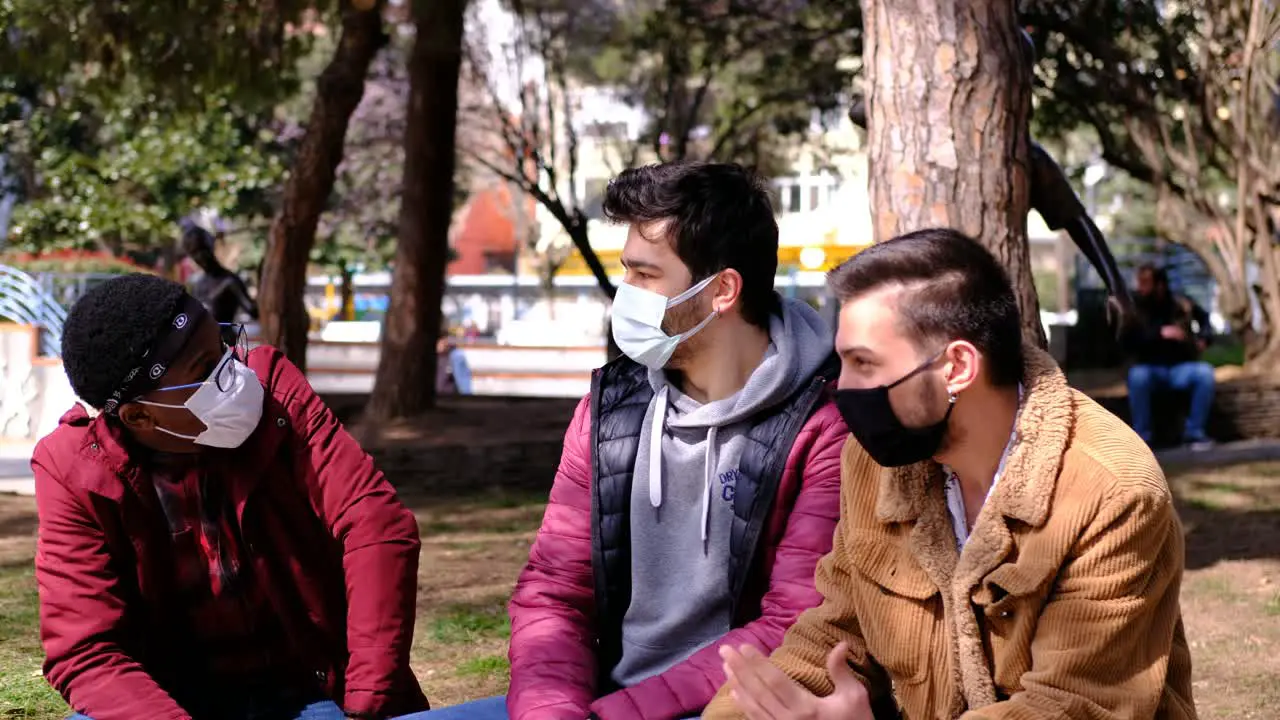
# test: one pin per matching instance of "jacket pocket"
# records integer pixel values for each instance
(900, 610)
(1010, 599)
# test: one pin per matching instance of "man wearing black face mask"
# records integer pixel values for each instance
(212, 543)
(1006, 547)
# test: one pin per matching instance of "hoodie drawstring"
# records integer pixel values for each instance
(655, 448)
(710, 472)
(655, 462)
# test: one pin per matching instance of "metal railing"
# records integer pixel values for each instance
(23, 300)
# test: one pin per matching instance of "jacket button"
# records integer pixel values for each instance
(280, 422)
(321, 676)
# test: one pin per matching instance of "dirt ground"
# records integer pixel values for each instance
(470, 420)
(474, 547)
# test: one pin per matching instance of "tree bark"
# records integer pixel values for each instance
(339, 89)
(948, 136)
(405, 384)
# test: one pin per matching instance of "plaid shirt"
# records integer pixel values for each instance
(231, 619)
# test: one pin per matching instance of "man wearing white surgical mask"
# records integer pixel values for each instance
(699, 481)
(212, 543)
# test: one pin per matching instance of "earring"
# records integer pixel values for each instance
(951, 397)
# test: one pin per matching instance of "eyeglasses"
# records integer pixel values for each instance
(235, 339)
(233, 335)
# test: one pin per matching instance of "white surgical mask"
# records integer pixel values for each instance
(637, 323)
(229, 403)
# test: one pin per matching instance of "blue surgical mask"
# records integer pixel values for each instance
(637, 323)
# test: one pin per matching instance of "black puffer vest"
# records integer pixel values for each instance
(620, 395)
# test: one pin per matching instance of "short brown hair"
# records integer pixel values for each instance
(954, 290)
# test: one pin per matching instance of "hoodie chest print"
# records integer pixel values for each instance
(729, 484)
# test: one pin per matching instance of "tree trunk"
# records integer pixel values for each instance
(577, 229)
(406, 380)
(948, 135)
(1265, 355)
(339, 89)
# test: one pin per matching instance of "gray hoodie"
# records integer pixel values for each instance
(682, 499)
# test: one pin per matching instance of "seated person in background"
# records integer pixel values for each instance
(453, 373)
(212, 543)
(700, 479)
(1017, 555)
(1166, 347)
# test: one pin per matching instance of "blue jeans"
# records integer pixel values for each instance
(1195, 378)
(494, 708)
(323, 710)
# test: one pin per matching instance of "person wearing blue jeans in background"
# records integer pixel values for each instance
(453, 373)
(274, 709)
(488, 709)
(1166, 348)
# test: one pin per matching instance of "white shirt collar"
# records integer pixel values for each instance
(955, 498)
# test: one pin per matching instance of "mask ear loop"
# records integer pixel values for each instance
(687, 294)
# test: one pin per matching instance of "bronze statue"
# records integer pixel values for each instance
(223, 292)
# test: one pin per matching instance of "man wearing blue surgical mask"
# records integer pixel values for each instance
(212, 543)
(699, 482)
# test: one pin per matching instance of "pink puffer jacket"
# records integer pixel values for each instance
(553, 664)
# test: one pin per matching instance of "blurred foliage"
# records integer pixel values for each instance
(1184, 98)
(119, 177)
(120, 118)
(731, 78)
(1154, 84)
(182, 51)
(108, 149)
(728, 80)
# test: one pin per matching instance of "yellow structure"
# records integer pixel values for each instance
(821, 257)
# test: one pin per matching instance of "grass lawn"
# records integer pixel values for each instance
(474, 548)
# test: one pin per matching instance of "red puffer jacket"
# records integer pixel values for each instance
(334, 549)
(553, 663)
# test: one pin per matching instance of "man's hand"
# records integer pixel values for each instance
(763, 692)
(1173, 332)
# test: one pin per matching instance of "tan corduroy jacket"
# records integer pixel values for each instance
(1062, 605)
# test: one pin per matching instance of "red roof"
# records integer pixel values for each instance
(484, 236)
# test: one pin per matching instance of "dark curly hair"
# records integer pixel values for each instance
(110, 327)
(720, 216)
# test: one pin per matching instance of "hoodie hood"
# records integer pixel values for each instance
(799, 343)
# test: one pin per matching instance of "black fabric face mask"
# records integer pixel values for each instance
(870, 417)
